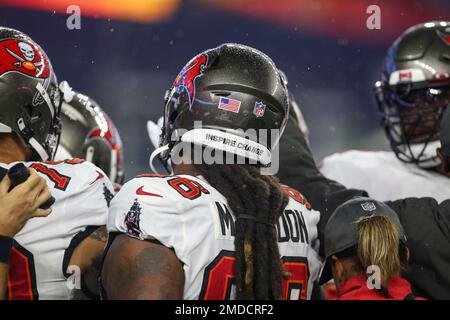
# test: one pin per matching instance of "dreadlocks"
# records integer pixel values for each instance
(256, 201)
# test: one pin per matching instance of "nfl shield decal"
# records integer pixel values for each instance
(368, 206)
(259, 109)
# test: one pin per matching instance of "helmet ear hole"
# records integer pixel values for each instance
(33, 114)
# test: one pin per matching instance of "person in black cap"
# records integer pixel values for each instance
(366, 253)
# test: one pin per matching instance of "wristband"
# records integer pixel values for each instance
(6, 244)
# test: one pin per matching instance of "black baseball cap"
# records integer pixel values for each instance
(342, 230)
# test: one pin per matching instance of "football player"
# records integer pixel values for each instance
(54, 256)
(413, 92)
(18, 205)
(214, 231)
(426, 222)
(89, 133)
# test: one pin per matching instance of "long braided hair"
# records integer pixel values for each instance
(256, 201)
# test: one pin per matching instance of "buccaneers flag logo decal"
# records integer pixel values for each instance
(24, 57)
(132, 220)
(186, 79)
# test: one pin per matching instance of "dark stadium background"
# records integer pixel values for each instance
(127, 54)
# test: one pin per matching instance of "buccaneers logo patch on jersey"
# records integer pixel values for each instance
(24, 57)
(132, 220)
(185, 82)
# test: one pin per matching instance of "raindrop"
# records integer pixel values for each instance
(343, 42)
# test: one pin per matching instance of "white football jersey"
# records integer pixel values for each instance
(187, 214)
(383, 176)
(42, 250)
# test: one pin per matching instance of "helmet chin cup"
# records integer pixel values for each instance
(425, 153)
(66, 91)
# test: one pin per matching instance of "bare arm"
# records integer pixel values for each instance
(142, 270)
(88, 256)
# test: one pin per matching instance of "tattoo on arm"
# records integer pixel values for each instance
(142, 270)
(90, 277)
(92, 256)
(100, 234)
(153, 262)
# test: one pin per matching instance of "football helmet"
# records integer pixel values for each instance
(229, 90)
(89, 133)
(414, 90)
(29, 94)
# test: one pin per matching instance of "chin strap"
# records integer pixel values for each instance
(66, 91)
(27, 135)
(154, 131)
(154, 154)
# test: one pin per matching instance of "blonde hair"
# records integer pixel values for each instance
(379, 245)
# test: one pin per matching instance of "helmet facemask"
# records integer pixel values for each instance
(411, 117)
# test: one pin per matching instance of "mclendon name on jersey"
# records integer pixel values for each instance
(290, 227)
